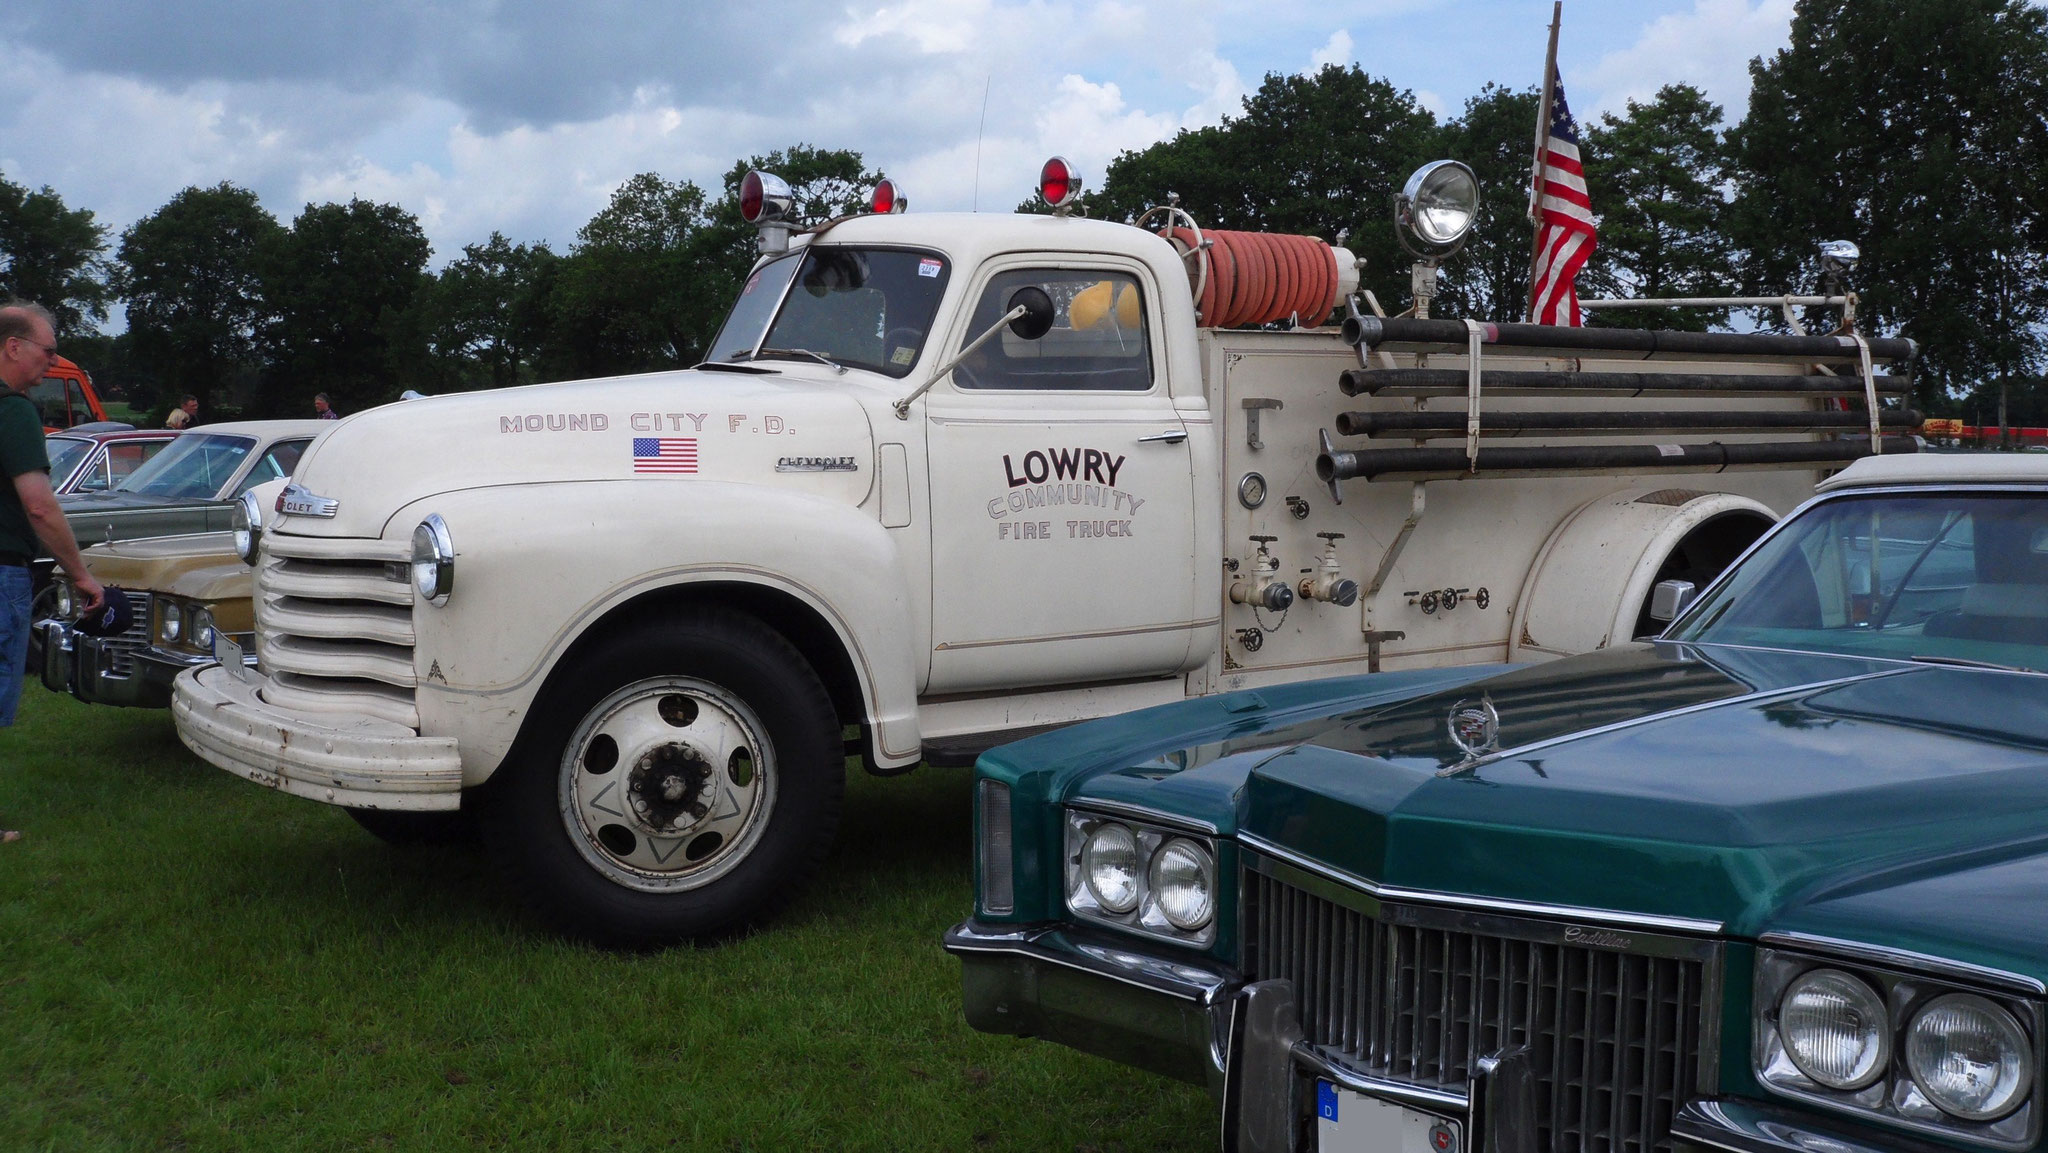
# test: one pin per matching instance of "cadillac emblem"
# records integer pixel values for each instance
(1475, 728)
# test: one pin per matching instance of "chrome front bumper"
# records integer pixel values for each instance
(358, 761)
(87, 667)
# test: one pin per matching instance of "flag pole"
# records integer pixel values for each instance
(1542, 143)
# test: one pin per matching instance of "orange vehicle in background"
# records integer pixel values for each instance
(65, 397)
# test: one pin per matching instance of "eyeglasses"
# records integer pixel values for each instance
(49, 350)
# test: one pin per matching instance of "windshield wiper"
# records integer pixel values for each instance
(1967, 663)
(820, 357)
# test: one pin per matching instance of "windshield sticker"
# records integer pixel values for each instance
(664, 454)
(1081, 481)
(902, 355)
(928, 267)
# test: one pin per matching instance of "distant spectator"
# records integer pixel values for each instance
(322, 409)
(181, 416)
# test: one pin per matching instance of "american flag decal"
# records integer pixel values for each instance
(664, 454)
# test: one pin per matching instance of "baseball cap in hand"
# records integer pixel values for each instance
(111, 619)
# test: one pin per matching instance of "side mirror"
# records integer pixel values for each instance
(1669, 599)
(1038, 312)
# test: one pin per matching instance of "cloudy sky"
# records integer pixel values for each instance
(523, 115)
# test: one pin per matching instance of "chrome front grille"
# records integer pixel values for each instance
(334, 627)
(119, 652)
(1616, 1037)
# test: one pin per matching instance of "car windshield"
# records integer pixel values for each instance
(1936, 576)
(66, 454)
(195, 466)
(867, 308)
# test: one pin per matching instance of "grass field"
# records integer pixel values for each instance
(190, 962)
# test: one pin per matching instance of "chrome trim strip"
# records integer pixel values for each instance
(1907, 959)
(1150, 817)
(1196, 986)
(1419, 1096)
(1649, 922)
(1100, 634)
(1740, 699)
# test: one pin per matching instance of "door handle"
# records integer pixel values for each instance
(1174, 437)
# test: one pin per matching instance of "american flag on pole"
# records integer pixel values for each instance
(664, 454)
(1564, 228)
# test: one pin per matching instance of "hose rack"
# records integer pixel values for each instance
(1557, 460)
(1501, 382)
(1410, 334)
(1440, 425)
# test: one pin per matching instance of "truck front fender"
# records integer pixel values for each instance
(522, 598)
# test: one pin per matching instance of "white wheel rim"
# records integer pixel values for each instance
(667, 784)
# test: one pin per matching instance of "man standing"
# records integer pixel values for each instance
(29, 512)
(323, 409)
(181, 416)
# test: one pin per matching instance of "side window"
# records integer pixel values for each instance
(81, 412)
(282, 458)
(1100, 341)
(48, 393)
(124, 457)
(96, 477)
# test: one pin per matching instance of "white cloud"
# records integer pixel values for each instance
(1336, 50)
(1709, 48)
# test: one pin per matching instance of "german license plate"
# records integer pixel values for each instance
(229, 654)
(1348, 1122)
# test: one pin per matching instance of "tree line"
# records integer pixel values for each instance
(1915, 128)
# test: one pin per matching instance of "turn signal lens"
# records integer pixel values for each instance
(1970, 1057)
(1835, 1029)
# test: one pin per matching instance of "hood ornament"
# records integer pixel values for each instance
(1474, 727)
(296, 500)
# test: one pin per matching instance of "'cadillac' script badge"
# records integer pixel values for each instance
(1475, 727)
(296, 501)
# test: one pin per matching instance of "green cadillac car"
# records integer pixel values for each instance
(1775, 881)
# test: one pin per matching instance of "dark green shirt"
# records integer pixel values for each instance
(22, 450)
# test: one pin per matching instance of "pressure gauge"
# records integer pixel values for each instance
(1251, 491)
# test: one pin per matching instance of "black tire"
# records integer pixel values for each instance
(678, 781)
(410, 829)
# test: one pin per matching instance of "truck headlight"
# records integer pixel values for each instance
(1969, 1056)
(1835, 1029)
(433, 560)
(171, 624)
(1183, 881)
(246, 518)
(1109, 866)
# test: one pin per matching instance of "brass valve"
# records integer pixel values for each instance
(1329, 585)
(1265, 589)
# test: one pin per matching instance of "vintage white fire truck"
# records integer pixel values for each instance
(945, 479)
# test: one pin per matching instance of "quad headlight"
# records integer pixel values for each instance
(1140, 877)
(67, 597)
(1903, 1046)
(170, 623)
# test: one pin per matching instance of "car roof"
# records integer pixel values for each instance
(267, 429)
(102, 436)
(1940, 468)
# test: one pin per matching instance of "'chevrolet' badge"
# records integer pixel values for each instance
(297, 501)
(1475, 727)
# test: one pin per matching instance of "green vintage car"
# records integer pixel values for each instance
(1775, 881)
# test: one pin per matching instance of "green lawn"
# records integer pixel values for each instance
(190, 962)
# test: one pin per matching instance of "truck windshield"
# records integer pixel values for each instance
(195, 466)
(1951, 576)
(868, 308)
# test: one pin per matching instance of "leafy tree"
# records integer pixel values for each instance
(1312, 155)
(485, 316)
(55, 256)
(190, 275)
(628, 292)
(341, 285)
(1657, 177)
(1919, 130)
(1489, 278)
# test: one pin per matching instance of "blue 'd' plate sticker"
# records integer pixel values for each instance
(1326, 1101)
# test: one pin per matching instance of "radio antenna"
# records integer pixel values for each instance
(977, 140)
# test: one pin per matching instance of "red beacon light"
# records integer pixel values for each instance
(888, 199)
(764, 197)
(1059, 184)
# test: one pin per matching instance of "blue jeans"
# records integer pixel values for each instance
(14, 603)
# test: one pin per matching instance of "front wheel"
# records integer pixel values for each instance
(679, 782)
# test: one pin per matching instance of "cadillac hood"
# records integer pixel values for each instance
(1760, 790)
(666, 430)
